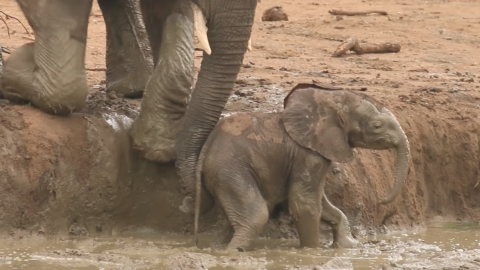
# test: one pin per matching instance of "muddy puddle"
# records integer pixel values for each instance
(440, 246)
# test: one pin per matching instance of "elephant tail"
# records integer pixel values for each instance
(198, 187)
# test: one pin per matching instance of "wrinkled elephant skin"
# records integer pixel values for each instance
(50, 72)
(129, 61)
(254, 161)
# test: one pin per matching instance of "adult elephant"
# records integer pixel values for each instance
(60, 29)
(50, 72)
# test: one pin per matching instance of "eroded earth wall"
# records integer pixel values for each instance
(79, 175)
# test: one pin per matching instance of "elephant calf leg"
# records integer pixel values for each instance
(246, 210)
(307, 221)
(342, 236)
(305, 208)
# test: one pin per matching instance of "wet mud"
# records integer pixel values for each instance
(79, 175)
(440, 246)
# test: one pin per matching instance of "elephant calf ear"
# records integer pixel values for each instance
(311, 119)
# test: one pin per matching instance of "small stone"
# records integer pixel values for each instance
(240, 81)
(112, 95)
(259, 97)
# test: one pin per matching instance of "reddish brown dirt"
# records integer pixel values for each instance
(431, 85)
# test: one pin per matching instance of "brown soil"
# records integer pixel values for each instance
(56, 172)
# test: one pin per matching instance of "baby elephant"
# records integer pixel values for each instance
(251, 162)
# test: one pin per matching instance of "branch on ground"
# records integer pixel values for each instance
(6, 50)
(96, 69)
(29, 38)
(352, 44)
(333, 87)
(356, 13)
(11, 17)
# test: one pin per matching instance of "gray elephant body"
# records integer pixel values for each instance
(254, 161)
(252, 181)
(49, 73)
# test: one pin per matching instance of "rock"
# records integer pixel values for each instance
(260, 97)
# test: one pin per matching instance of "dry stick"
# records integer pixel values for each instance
(11, 17)
(352, 44)
(6, 24)
(332, 87)
(6, 50)
(29, 38)
(356, 13)
(478, 182)
(96, 69)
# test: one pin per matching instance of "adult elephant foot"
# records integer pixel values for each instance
(129, 62)
(168, 89)
(50, 73)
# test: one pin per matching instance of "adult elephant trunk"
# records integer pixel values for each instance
(403, 153)
(229, 29)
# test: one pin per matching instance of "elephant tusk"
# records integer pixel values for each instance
(249, 45)
(201, 29)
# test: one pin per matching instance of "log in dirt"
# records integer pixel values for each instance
(352, 44)
(357, 13)
(79, 175)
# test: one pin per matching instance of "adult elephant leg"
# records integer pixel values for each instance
(50, 72)
(342, 235)
(167, 91)
(229, 25)
(129, 63)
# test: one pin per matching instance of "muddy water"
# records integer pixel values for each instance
(440, 246)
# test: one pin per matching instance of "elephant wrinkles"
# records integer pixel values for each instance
(261, 152)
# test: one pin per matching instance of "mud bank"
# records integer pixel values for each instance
(78, 175)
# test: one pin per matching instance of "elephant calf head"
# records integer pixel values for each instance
(332, 122)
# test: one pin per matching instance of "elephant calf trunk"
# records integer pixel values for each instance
(403, 154)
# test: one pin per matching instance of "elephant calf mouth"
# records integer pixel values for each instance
(384, 143)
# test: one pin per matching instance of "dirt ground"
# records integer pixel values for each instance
(432, 86)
